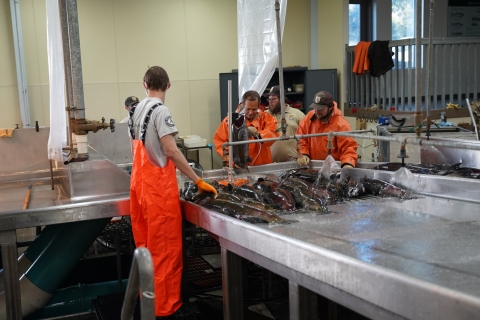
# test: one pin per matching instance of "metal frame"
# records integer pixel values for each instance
(448, 60)
(20, 62)
(140, 282)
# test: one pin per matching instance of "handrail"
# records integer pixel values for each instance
(449, 143)
(425, 41)
(140, 281)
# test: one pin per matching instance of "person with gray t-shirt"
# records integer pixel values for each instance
(154, 199)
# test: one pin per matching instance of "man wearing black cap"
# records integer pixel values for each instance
(283, 150)
(326, 117)
(130, 102)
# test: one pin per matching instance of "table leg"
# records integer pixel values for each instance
(303, 302)
(8, 240)
(232, 285)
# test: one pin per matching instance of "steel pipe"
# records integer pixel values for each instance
(300, 136)
(430, 65)
(473, 119)
(280, 67)
(230, 156)
(418, 141)
(75, 59)
(460, 144)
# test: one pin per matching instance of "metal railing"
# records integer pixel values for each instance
(455, 76)
(140, 282)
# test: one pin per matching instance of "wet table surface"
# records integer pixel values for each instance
(12, 194)
(439, 245)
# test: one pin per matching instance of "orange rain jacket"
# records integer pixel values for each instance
(345, 148)
(259, 152)
(361, 63)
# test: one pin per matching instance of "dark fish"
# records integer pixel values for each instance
(257, 204)
(355, 189)
(383, 189)
(315, 192)
(307, 175)
(304, 200)
(263, 185)
(240, 133)
(422, 168)
(279, 199)
(204, 201)
(244, 212)
(246, 191)
(340, 189)
(229, 197)
(189, 190)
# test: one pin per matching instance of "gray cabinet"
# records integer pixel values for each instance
(313, 80)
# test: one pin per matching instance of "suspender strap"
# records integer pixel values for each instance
(130, 121)
(146, 121)
(143, 132)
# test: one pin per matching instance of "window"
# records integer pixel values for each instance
(359, 21)
(353, 24)
(403, 19)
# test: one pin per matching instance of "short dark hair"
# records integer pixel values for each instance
(156, 78)
(250, 95)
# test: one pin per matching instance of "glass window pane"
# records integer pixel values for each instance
(353, 24)
(403, 19)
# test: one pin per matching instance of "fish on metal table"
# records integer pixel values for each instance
(246, 191)
(245, 212)
(384, 189)
(305, 200)
(279, 199)
(240, 152)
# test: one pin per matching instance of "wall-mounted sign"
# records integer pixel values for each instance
(463, 18)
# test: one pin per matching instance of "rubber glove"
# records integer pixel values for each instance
(204, 187)
(253, 132)
(347, 165)
(303, 160)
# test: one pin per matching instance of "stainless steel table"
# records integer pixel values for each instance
(383, 258)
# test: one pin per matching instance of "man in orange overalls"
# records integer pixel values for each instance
(261, 125)
(154, 201)
(326, 117)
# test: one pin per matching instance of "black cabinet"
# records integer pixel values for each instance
(313, 81)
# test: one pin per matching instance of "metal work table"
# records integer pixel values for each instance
(382, 257)
(84, 191)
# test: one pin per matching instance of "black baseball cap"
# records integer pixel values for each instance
(275, 90)
(130, 101)
(321, 100)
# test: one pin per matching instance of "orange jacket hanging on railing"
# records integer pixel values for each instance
(258, 152)
(345, 148)
(361, 64)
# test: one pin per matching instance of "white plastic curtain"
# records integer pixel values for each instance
(56, 73)
(257, 42)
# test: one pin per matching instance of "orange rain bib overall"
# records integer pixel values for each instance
(157, 225)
